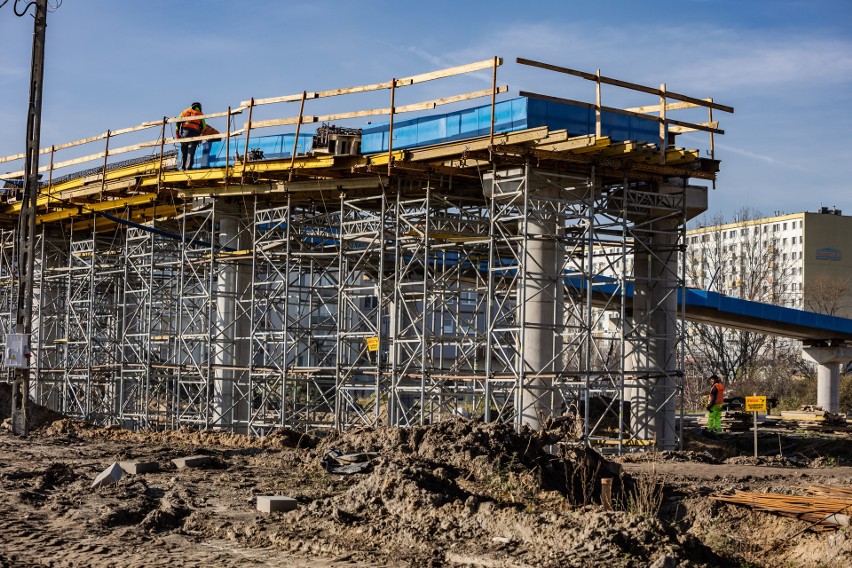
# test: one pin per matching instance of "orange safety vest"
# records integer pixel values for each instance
(208, 130)
(720, 393)
(196, 125)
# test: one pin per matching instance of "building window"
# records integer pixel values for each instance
(785, 226)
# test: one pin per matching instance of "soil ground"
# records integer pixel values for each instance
(458, 493)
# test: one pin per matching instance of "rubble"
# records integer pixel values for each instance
(108, 476)
(275, 503)
(814, 418)
(139, 467)
(192, 462)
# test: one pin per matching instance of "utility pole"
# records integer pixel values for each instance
(18, 345)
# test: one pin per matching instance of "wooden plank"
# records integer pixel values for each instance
(452, 149)
(403, 82)
(143, 126)
(451, 71)
(656, 108)
(625, 84)
(71, 212)
(282, 99)
(125, 149)
(693, 126)
(136, 216)
(553, 137)
(574, 143)
(425, 105)
(468, 96)
(234, 111)
(681, 129)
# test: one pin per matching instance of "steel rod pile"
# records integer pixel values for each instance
(827, 506)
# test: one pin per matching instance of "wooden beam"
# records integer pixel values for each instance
(681, 129)
(452, 149)
(71, 212)
(625, 84)
(403, 82)
(656, 108)
(425, 105)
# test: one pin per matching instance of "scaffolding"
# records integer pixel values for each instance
(515, 276)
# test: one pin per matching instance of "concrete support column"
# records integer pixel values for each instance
(828, 386)
(541, 293)
(828, 360)
(651, 360)
(230, 408)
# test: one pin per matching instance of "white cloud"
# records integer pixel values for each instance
(761, 157)
(771, 62)
(699, 57)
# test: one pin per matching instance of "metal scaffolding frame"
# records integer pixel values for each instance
(515, 276)
(401, 307)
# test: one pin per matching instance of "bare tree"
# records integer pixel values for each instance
(827, 294)
(743, 259)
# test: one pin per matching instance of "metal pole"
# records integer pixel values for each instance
(296, 139)
(248, 140)
(25, 236)
(755, 433)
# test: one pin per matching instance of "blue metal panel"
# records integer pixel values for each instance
(577, 120)
(275, 146)
(435, 129)
(509, 116)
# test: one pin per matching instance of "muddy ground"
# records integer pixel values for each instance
(458, 493)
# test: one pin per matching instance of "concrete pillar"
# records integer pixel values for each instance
(828, 360)
(541, 295)
(828, 387)
(651, 351)
(230, 408)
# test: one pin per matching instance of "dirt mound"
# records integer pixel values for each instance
(776, 461)
(461, 452)
(37, 415)
(457, 493)
(666, 456)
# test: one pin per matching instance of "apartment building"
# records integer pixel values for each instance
(800, 260)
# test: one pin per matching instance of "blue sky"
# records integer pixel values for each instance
(786, 67)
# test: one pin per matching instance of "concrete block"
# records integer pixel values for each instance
(192, 461)
(275, 503)
(137, 467)
(108, 476)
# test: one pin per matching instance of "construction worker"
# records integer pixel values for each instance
(190, 129)
(206, 145)
(714, 405)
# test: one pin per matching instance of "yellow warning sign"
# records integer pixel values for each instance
(755, 404)
(372, 344)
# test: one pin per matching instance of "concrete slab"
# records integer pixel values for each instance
(108, 476)
(192, 461)
(275, 503)
(138, 467)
